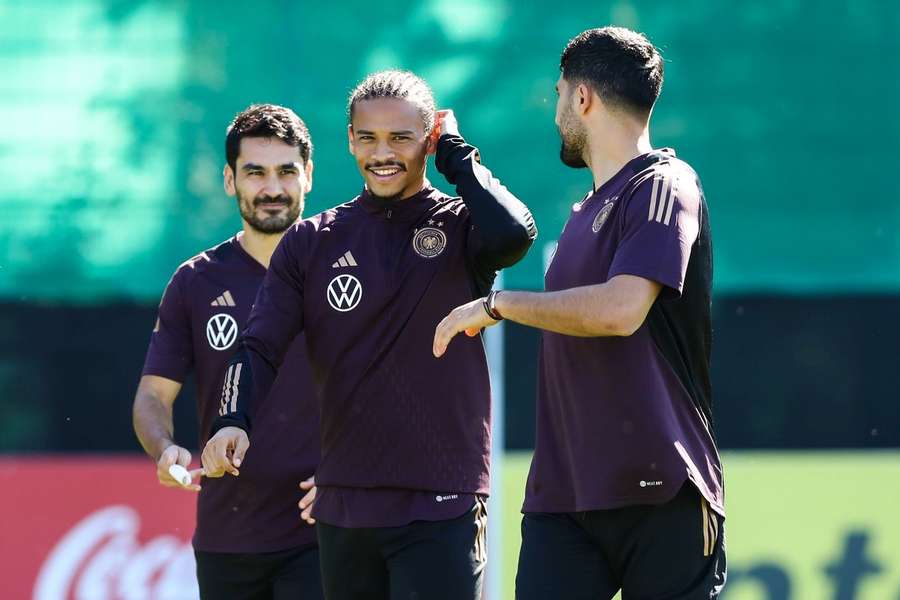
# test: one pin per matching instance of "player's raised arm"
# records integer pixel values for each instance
(503, 226)
(276, 319)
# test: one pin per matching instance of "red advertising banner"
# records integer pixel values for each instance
(93, 528)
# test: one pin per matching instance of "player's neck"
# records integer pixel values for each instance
(406, 193)
(415, 187)
(612, 147)
(259, 245)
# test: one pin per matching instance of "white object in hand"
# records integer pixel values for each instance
(180, 474)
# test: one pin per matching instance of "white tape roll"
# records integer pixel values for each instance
(180, 474)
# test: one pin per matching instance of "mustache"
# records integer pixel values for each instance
(282, 199)
(390, 163)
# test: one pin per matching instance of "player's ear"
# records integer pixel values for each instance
(350, 138)
(309, 173)
(228, 180)
(584, 98)
(431, 143)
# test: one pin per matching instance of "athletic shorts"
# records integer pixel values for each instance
(286, 575)
(674, 551)
(428, 560)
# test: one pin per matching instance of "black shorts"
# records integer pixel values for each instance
(674, 550)
(287, 575)
(433, 560)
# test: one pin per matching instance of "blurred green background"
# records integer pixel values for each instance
(111, 151)
(114, 114)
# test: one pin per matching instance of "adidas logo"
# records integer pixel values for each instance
(346, 260)
(224, 300)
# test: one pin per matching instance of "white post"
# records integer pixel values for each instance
(494, 346)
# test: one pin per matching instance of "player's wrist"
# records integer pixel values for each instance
(163, 445)
(489, 303)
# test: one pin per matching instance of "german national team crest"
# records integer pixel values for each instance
(602, 216)
(429, 242)
(221, 331)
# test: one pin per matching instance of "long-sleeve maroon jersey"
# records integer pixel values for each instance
(368, 281)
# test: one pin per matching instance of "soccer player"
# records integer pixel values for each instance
(405, 437)
(625, 489)
(250, 542)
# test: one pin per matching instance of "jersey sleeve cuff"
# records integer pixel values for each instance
(672, 288)
(173, 372)
(231, 420)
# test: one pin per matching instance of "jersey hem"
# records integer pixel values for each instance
(621, 502)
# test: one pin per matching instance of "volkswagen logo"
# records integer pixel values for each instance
(221, 331)
(344, 293)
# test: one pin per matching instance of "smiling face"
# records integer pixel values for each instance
(389, 141)
(270, 184)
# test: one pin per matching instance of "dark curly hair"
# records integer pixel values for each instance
(267, 120)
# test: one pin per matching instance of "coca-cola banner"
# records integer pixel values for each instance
(93, 528)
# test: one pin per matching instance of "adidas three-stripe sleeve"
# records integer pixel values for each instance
(659, 226)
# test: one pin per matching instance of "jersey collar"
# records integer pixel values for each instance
(633, 167)
(408, 208)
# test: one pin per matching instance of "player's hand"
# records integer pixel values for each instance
(307, 501)
(176, 455)
(224, 452)
(470, 318)
(444, 124)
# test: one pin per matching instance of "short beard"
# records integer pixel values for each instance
(573, 139)
(269, 225)
(395, 198)
(571, 151)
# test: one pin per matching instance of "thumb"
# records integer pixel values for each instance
(472, 331)
(240, 449)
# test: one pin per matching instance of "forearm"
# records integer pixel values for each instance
(504, 225)
(153, 424)
(248, 379)
(275, 320)
(590, 311)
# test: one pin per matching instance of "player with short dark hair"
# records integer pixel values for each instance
(405, 438)
(250, 542)
(625, 489)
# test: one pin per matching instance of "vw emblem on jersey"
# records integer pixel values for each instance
(221, 331)
(344, 293)
(429, 242)
(601, 217)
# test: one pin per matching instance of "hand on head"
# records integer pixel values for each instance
(444, 124)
